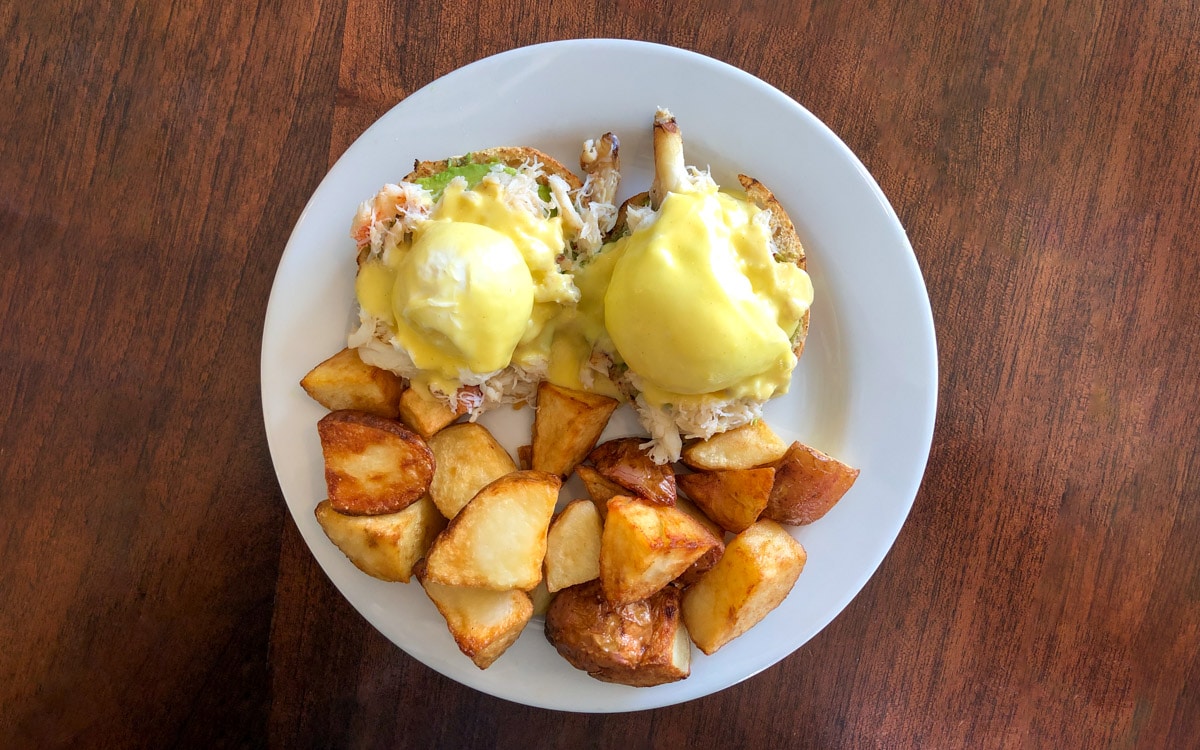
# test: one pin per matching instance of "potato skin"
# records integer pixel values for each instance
(373, 465)
(630, 645)
(621, 461)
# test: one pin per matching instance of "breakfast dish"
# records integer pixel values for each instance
(459, 286)
(865, 388)
(697, 309)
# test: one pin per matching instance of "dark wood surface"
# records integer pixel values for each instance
(1043, 156)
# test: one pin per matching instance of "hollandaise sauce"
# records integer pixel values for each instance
(693, 303)
(473, 289)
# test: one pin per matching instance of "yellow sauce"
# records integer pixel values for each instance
(476, 288)
(693, 303)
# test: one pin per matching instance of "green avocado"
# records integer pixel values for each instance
(472, 172)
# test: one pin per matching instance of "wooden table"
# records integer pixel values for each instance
(1044, 158)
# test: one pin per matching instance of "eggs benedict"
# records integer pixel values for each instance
(696, 310)
(459, 287)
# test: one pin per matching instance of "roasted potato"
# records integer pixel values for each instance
(705, 562)
(344, 381)
(642, 643)
(388, 546)
(645, 546)
(745, 447)
(525, 457)
(372, 465)
(599, 489)
(756, 573)
(484, 623)
(541, 598)
(425, 414)
(734, 498)
(498, 540)
(623, 462)
(566, 426)
(467, 459)
(807, 484)
(573, 546)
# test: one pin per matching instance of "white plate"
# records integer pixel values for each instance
(865, 389)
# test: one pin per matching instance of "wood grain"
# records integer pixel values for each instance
(1044, 158)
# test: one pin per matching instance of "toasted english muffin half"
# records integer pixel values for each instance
(670, 424)
(532, 181)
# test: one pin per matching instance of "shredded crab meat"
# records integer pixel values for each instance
(392, 213)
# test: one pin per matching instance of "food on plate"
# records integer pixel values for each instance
(566, 426)
(500, 277)
(645, 546)
(622, 461)
(425, 414)
(697, 309)
(385, 546)
(372, 465)
(753, 577)
(745, 447)
(498, 540)
(459, 288)
(467, 459)
(541, 597)
(344, 381)
(705, 562)
(642, 643)
(573, 546)
(807, 484)
(734, 499)
(484, 623)
(599, 489)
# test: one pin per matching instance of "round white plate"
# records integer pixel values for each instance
(864, 391)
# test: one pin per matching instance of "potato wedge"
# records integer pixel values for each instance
(467, 459)
(745, 447)
(755, 574)
(498, 540)
(645, 546)
(807, 484)
(599, 489)
(541, 598)
(372, 465)
(483, 623)
(424, 414)
(734, 498)
(621, 461)
(642, 643)
(566, 426)
(344, 381)
(705, 562)
(388, 546)
(573, 546)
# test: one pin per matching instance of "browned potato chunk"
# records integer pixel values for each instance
(745, 447)
(807, 484)
(598, 488)
(642, 643)
(734, 498)
(567, 425)
(388, 546)
(705, 562)
(484, 623)
(424, 413)
(498, 540)
(372, 465)
(755, 574)
(573, 546)
(525, 457)
(622, 462)
(344, 381)
(468, 458)
(645, 546)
